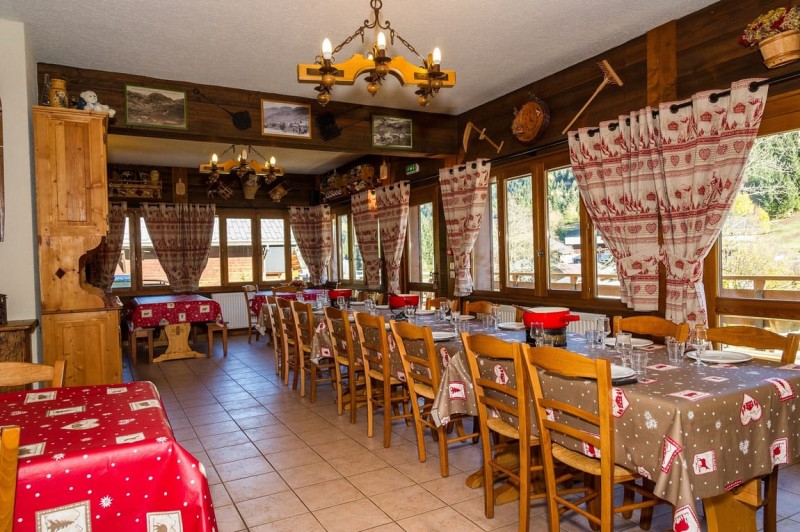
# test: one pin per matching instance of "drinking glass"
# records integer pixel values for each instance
(603, 330)
(675, 350)
(589, 336)
(494, 317)
(537, 333)
(455, 318)
(341, 302)
(411, 314)
(444, 306)
(299, 296)
(639, 361)
(624, 347)
(698, 339)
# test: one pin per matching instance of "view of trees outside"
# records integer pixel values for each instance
(519, 232)
(421, 262)
(344, 247)
(495, 236)
(760, 241)
(563, 229)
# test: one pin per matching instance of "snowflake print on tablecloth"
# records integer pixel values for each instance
(769, 423)
(690, 415)
(17, 412)
(124, 421)
(649, 421)
(161, 439)
(58, 456)
(718, 424)
(106, 501)
(744, 446)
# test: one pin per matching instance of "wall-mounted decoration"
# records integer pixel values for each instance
(531, 120)
(391, 132)
(777, 35)
(609, 78)
(482, 136)
(286, 119)
(132, 183)
(147, 106)
(241, 119)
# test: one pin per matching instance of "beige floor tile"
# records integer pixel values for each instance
(279, 443)
(243, 468)
(424, 471)
(228, 519)
(352, 516)
(380, 481)
(306, 475)
(452, 489)
(405, 502)
(327, 494)
(233, 453)
(216, 428)
(219, 495)
(271, 508)
(335, 449)
(255, 486)
(398, 453)
(318, 437)
(224, 440)
(261, 421)
(268, 432)
(299, 523)
(440, 519)
(473, 510)
(294, 458)
(357, 463)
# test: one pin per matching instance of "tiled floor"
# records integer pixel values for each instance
(277, 462)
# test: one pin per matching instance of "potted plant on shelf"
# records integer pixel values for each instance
(777, 34)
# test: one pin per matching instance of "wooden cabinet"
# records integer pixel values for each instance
(78, 324)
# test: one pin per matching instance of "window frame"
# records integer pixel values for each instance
(334, 268)
(420, 196)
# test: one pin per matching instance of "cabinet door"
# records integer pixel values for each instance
(71, 185)
(89, 344)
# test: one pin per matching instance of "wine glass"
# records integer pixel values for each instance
(624, 347)
(698, 339)
(603, 330)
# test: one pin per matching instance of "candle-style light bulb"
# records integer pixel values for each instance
(327, 49)
(272, 161)
(214, 159)
(437, 56)
(243, 156)
(381, 41)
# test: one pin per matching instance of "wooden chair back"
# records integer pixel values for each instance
(476, 307)
(21, 373)
(286, 289)
(363, 295)
(275, 321)
(655, 326)
(434, 303)
(757, 338)
(288, 325)
(422, 372)
(374, 344)
(9, 455)
(341, 335)
(304, 323)
(249, 291)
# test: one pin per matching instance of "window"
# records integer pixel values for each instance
(299, 268)
(122, 274)
(563, 229)
(346, 263)
(519, 232)
(212, 274)
(344, 246)
(273, 250)
(486, 252)
(606, 268)
(239, 249)
(421, 259)
(152, 272)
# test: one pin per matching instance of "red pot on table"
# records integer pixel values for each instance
(340, 292)
(550, 317)
(401, 300)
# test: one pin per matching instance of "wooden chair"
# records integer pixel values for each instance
(289, 349)
(350, 387)
(756, 338)
(249, 290)
(286, 289)
(434, 303)
(304, 319)
(211, 328)
(507, 394)
(423, 375)
(363, 295)
(476, 307)
(384, 390)
(9, 454)
(654, 326)
(277, 341)
(134, 335)
(21, 373)
(600, 474)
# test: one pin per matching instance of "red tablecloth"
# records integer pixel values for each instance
(103, 458)
(260, 298)
(155, 311)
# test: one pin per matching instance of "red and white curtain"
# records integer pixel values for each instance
(364, 207)
(705, 148)
(465, 190)
(181, 236)
(107, 255)
(312, 232)
(393, 217)
(616, 169)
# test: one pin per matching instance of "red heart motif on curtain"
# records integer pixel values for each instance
(483, 196)
(714, 219)
(651, 228)
(606, 172)
(634, 229)
(705, 153)
(698, 225)
(721, 149)
(684, 227)
(674, 159)
(651, 196)
(650, 289)
(679, 264)
(688, 158)
(636, 265)
(637, 289)
(738, 146)
(652, 164)
(619, 171)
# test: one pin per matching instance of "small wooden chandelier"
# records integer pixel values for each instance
(251, 173)
(428, 78)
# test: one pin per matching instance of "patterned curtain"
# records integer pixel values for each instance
(465, 190)
(364, 207)
(107, 255)
(181, 235)
(705, 148)
(616, 170)
(393, 217)
(312, 231)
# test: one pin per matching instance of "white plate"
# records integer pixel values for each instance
(382, 307)
(356, 303)
(620, 372)
(467, 318)
(721, 357)
(511, 326)
(635, 342)
(425, 312)
(440, 336)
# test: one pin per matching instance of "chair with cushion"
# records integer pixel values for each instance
(654, 326)
(21, 373)
(249, 291)
(434, 303)
(421, 365)
(476, 307)
(757, 338)
(549, 368)
(501, 386)
(304, 319)
(384, 390)
(289, 343)
(350, 382)
(9, 455)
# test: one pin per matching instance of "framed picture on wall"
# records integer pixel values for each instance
(148, 106)
(391, 132)
(286, 119)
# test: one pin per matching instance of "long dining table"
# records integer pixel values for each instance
(103, 458)
(697, 432)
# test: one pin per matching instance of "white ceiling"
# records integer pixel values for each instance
(495, 46)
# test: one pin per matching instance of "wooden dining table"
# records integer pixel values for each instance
(103, 458)
(175, 313)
